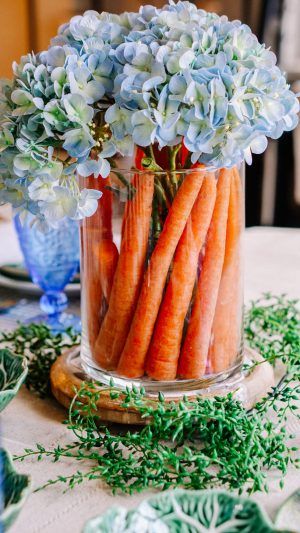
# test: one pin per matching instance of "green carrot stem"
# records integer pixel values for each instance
(150, 158)
(162, 197)
(173, 151)
(152, 152)
(122, 178)
(150, 164)
(174, 182)
(157, 227)
(173, 155)
(168, 187)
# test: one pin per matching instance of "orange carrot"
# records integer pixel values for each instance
(193, 357)
(92, 297)
(93, 230)
(106, 257)
(128, 276)
(164, 350)
(139, 155)
(128, 204)
(227, 321)
(102, 219)
(132, 361)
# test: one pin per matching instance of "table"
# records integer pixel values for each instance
(272, 263)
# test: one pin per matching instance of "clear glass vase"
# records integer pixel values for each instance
(161, 274)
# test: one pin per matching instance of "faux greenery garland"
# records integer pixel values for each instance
(196, 443)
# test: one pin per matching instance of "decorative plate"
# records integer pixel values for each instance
(13, 370)
(289, 513)
(186, 511)
(31, 288)
(19, 272)
(15, 271)
(15, 488)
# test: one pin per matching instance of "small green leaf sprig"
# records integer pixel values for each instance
(41, 348)
(272, 327)
(196, 443)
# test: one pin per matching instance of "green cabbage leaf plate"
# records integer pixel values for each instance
(184, 511)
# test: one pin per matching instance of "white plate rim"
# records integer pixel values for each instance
(29, 287)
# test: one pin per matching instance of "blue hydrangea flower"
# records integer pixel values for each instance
(82, 83)
(87, 203)
(96, 167)
(62, 205)
(144, 128)
(78, 142)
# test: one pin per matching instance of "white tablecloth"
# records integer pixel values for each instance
(272, 264)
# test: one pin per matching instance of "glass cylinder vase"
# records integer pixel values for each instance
(161, 271)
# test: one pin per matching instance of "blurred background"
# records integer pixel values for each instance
(273, 181)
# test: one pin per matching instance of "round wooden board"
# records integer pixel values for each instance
(67, 376)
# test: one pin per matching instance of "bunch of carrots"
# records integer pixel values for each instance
(168, 303)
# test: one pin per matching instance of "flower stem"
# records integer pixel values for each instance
(150, 164)
(174, 150)
(172, 158)
(149, 161)
(161, 193)
(121, 177)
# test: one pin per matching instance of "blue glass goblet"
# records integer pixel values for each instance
(52, 259)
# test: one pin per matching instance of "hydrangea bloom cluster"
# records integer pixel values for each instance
(167, 76)
(47, 114)
(194, 76)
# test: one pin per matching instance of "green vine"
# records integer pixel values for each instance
(41, 348)
(196, 443)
